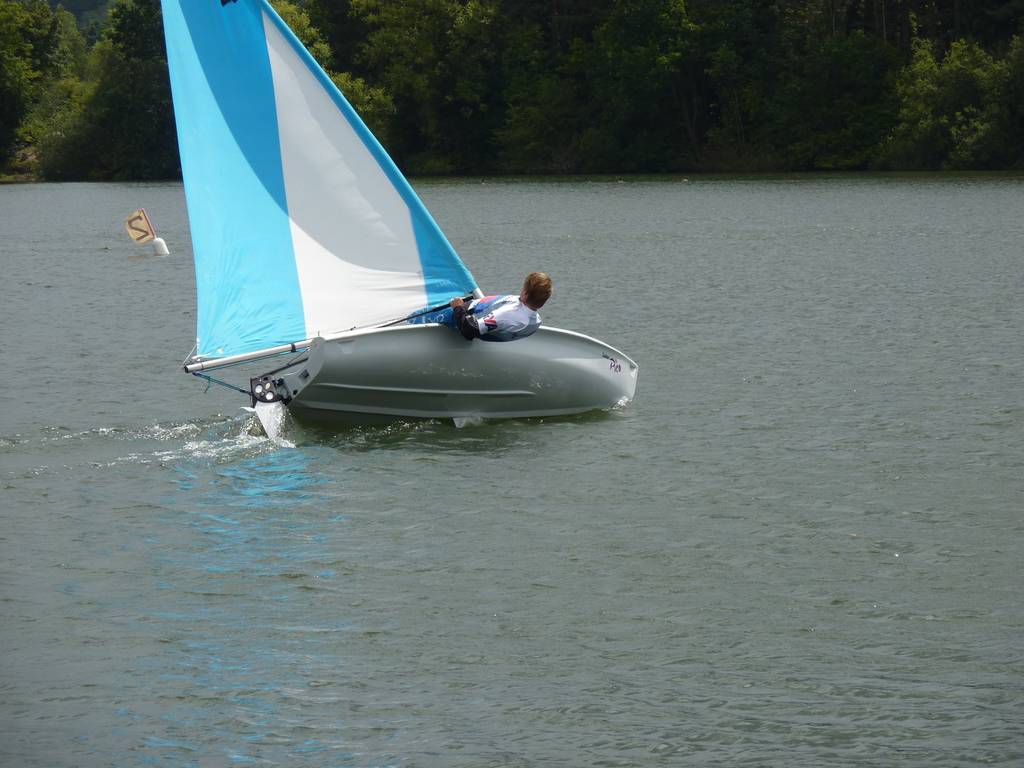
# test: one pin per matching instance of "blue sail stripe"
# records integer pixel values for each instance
(246, 279)
(444, 273)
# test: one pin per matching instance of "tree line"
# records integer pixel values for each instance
(559, 86)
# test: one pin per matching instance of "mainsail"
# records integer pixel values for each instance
(301, 223)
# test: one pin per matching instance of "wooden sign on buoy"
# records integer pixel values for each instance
(139, 228)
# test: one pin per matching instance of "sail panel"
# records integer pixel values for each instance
(355, 204)
(246, 281)
(301, 223)
(355, 250)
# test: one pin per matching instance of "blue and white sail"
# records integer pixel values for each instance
(301, 224)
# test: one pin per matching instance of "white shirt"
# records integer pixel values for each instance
(504, 318)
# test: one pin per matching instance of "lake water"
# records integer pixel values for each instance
(800, 546)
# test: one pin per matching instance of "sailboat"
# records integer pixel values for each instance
(311, 248)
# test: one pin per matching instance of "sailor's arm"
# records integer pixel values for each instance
(465, 322)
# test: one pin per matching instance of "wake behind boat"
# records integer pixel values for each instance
(309, 243)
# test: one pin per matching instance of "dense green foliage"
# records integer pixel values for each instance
(559, 86)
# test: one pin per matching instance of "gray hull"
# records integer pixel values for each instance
(428, 371)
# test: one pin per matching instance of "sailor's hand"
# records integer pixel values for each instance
(456, 303)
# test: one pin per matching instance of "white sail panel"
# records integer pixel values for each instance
(355, 248)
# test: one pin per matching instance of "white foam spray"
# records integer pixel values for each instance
(274, 418)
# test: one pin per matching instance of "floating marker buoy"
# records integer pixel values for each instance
(140, 229)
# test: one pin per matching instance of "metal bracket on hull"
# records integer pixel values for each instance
(267, 389)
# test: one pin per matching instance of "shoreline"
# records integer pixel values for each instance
(13, 179)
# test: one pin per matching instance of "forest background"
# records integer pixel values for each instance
(556, 86)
